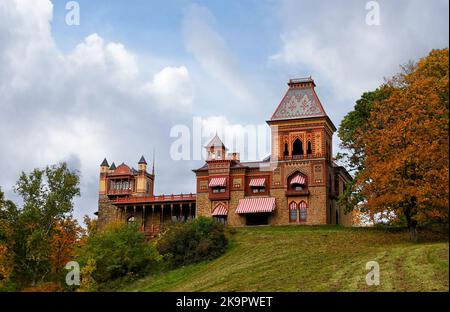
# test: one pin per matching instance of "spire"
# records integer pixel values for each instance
(142, 160)
(216, 142)
(113, 166)
(153, 166)
(104, 163)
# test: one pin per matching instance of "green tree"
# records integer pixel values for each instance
(352, 126)
(121, 250)
(28, 232)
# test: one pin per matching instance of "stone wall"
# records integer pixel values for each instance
(107, 212)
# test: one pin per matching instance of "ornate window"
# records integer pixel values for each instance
(297, 182)
(293, 212)
(297, 148)
(286, 150)
(309, 148)
(303, 210)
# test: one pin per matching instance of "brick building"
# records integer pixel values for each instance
(297, 184)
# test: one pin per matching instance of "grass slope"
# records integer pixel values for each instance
(313, 258)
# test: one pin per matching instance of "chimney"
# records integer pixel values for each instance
(301, 83)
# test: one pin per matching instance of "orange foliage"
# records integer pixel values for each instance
(406, 144)
(64, 242)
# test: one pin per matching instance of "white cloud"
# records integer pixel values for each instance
(333, 43)
(79, 106)
(212, 52)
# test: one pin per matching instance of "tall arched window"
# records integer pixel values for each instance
(293, 212)
(309, 148)
(286, 150)
(297, 148)
(303, 210)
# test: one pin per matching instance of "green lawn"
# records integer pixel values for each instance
(319, 258)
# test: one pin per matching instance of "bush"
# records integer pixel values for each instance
(193, 241)
(119, 251)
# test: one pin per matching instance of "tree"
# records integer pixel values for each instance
(65, 239)
(29, 232)
(352, 126)
(121, 250)
(405, 142)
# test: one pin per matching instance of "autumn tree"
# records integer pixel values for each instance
(30, 232)
(64, 241)
(404, 168)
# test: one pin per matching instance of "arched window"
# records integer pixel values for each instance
(286, 150)
(303, 210)
(297, 148)
(309, 148)
(293, 212)
(297, 182)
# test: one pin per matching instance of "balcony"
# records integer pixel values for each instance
(120, 192)
(301, 157)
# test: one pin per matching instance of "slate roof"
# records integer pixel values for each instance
(142, 160)
(104, 163)
(216, 142)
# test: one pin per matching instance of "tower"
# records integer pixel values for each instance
(104, 167)
(144, 180)
(301, 150)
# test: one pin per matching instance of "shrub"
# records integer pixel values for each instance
(193, 241)
(119, 251)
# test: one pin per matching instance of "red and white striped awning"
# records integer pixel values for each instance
(298, 179)
(257, 182)
(220, 210)
(217, 182)
(302, 205)
(256, 204)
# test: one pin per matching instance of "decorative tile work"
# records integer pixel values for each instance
(298, 103)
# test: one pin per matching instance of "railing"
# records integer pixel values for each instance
(299, 157)
(120, 192)
(158, 198)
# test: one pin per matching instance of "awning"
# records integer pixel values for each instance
(220, 210)
(217, 182)
(256, 204)
(259, 182)
(298, 179)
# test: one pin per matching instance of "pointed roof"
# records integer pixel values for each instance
(142, 160)
(113, 166)
(104, 163)
(216, 142)
(300, 101)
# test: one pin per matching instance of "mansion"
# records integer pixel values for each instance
(299, 183)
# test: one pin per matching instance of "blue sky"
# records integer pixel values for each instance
(116, 85)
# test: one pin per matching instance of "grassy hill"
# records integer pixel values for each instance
(318, 258)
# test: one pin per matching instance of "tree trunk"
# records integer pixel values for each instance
(412, 224)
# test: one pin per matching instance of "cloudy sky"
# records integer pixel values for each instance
(116, 84)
